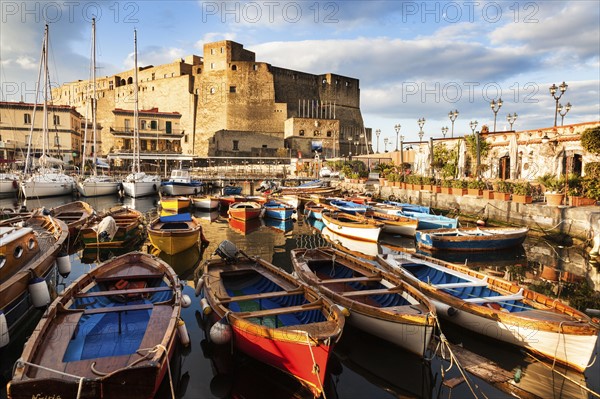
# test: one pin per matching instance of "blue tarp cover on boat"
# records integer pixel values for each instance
(180, 217)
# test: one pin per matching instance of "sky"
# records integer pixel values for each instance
(414, 59)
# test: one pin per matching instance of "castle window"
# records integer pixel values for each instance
(185, 138)
(236, 144)
(129, 80)
(56, 119)
(110, 86)
(164, 76)
(264, 146)
(221, 50)
(301, 132)
(329, 133)
(232, 89)
(122, 83)
(199, 70)
(234, 67)
(347, 84)
(153, 75)
(27, 119)
(316, 133)
(255, 67)
(212, 65)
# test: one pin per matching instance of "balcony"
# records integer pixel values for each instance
(127, 132)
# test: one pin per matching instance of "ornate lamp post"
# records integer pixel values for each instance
(444, 131)
(361, 141)
(356, 143)
(397, 128)
(567, 108)
(385, 143)
(473, 125)
(511, 119)
(453, 115)
(421, 123)
(377, 133)
(495, 108)
(553, 89)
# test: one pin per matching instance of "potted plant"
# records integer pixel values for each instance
(554, 189)
(522, 192)
(459, 187)
(475, 187)
(502, 189)
(487, 191)
(446, 186)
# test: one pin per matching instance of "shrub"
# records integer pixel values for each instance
(590, 140)
(477, 184)
(459, 183)
(503, 186)
(522, 188)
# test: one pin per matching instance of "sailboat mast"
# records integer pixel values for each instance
(35, 103)
(94, 149)
(136, 132)
(45, 121)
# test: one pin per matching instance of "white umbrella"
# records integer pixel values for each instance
(461, 158)
(513, 153)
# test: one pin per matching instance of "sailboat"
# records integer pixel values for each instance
(47, 181)
(95, 185)
(138, 183)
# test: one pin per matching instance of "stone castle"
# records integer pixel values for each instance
(223, 104)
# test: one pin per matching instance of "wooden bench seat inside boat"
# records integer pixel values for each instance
(278, 311)
(126, 308)
(379, 291)
(263, 295)
(350, 279)
(499, 298)
(123, 292)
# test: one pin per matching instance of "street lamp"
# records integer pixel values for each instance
(421, 123)
(473, 125)
(385, 143)
(397, 127)
(377, 133)
(453, 115)
(360, 142)
(495, 108)
(444, 131)
(511, 119)
(567, 108)
(356, 143)
(553, 89)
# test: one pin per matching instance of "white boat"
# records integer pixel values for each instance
(181, 183)
(47, 181)
(205, 202)
(9, 184)
(357, 227)
(138, 184)
(94, 185)
(379, 303)
(500, 309)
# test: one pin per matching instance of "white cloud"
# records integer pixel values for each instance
(214, 37)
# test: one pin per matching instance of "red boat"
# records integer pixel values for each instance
(245, 210)
(245, 226)
(227, 200)
(268, 314)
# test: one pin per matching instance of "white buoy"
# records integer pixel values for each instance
(186, 301)
(183, 333)
(39, 293)
(206, 309)
(64, 265)
(344, 310)
(220, 333)
(4, 337)
(199, 286)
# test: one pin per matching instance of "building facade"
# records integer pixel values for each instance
(19, 121)
(228, 104)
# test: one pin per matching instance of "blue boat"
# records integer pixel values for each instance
(284, 226)
(428, 221)
(278, 210)
(348, 206)
(181, 183)
(409, 207)
(231, 190)
(471, 238)
(313, 210)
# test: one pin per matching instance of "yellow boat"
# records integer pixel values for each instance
(175, 204)
(176, 233)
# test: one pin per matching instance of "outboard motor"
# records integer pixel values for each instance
(227, 251)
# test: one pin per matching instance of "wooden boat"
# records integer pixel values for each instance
(110, 334)
(231, 190)
(348, 206)
(245, 227)
(29, 246)
(245, 210)
(226, 200)
(352, 226)
(428, 221)
(314, 209)
(270, 315)
(500, 309)
(471, 238)
(395, 224)
(278, 210)
(74, 214)
(409, 207)
(175, 233)
(125, 229)
(206, 202)
(361, 249)
(379, 303)
(175, 204)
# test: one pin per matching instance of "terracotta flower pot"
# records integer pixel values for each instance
(522, 199)
(554, 199)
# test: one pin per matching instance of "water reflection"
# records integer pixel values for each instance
(208, 216)
(282, 226)
(184, 263)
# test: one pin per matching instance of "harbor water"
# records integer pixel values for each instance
(362, 366)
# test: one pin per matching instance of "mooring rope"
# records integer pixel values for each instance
(20, 363)
(315, 368)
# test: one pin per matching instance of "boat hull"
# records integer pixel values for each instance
(206, 202)
(175, 188)
(9, 188)
(35, 189)
(97, 189)
(436, 240)
(140, 188)
(173, 242)
(361, 232)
